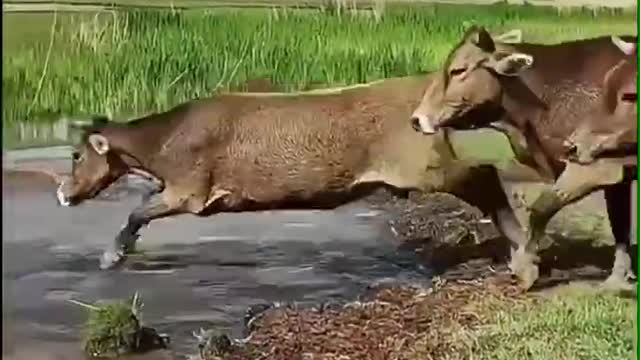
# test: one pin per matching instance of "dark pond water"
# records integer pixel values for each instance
(193, 272)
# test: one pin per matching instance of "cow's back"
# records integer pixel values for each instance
(562, 87)
(273, 147)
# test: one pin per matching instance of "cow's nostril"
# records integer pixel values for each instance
(415, 124)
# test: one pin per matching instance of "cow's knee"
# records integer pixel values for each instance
(548, 203)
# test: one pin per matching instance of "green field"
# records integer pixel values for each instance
(130, 62)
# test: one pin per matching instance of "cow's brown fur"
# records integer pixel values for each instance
(612, 127)
(543, 91)
(602, 153)
(237, 152)
(545, 102)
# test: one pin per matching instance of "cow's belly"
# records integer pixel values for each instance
(297, 188)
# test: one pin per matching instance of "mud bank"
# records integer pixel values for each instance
(384, 325)
(487, 318)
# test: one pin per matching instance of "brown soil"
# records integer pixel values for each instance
(400, 322)
(388, 326)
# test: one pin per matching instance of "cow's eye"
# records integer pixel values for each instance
(76, 156)
(457, 71)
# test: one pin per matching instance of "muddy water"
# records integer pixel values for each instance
(191, 272)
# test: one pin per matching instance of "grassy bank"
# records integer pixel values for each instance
(483, 319)
(132, 62)
(572, 324)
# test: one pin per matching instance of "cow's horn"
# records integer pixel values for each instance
(92, 121)
(79, 124)
(627, 48)
(510, 37)
(99, 120)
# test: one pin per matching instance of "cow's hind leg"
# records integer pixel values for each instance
(618, 198)
(155, 206)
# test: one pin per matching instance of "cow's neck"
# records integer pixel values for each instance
(522, 112)
(136, 146)
(548, 101)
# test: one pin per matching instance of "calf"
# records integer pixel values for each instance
(541, 102)
(602, 152)
(612, 127)
(249, 152)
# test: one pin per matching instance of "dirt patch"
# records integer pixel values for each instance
(438, 216)
(387, 325)
(405, 322)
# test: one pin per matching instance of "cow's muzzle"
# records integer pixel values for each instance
(61, 194)
(423, 124)
(576, 153)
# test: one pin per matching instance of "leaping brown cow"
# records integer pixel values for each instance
(248, 152)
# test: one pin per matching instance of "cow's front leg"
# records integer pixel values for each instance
(482, 187)
(618, 199)
(156, 206)
(575, 182)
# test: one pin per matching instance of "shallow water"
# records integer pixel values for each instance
(30, 134)
(192, 272)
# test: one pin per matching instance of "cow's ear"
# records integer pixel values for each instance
(510, 64)
(100, 143)
(480, 37)
(628, 48)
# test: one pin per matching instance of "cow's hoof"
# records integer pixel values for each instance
(618, 283)
(528, 276)
(521, 259)
(524, 268)
(111, 259)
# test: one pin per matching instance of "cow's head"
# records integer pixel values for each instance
(95, 166)
(470, 81)
(612, 124)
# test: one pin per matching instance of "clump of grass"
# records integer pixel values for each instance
(213, 344)
(115, 328)
(139, 61)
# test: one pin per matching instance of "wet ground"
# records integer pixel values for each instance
(195, 272)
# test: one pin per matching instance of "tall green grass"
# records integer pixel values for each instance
(139, 61)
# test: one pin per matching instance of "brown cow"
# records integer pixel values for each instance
(247, 152)
(483, 82)
(612, 127)
(601, 152)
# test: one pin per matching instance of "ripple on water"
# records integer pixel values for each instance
(304, 257)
